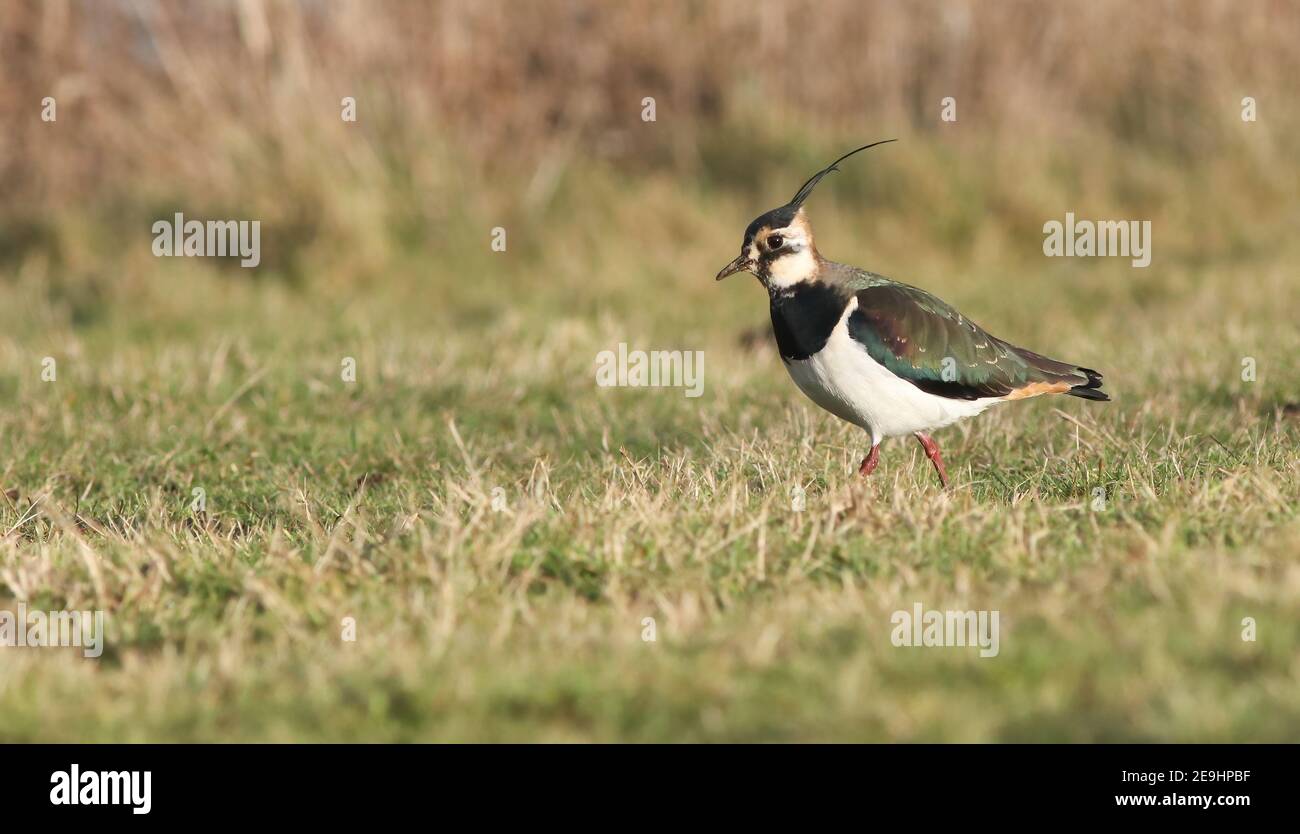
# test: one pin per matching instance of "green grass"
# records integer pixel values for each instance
(475, 371)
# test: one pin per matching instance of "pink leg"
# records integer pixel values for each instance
(869, 462)
(932, 452)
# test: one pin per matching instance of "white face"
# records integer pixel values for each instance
(786, 256)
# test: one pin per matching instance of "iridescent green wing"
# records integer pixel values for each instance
(923, 340)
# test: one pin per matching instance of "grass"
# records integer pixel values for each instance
(475, 373)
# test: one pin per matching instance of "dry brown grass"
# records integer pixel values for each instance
(182, 91)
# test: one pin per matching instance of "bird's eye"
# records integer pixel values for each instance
(775, 242)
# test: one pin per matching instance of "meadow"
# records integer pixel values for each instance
(499, 534)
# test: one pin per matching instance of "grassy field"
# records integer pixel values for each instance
(499, 527)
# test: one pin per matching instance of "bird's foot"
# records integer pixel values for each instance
(932, 452)
(869, 462)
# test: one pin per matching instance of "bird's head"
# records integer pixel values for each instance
(778, 246)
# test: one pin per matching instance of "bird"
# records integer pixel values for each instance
(890, 358)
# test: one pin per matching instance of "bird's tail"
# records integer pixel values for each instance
(1083, 382)
(1090, 390)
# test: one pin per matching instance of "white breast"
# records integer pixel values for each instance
(843, 379)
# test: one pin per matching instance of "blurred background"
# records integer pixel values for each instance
(474, 369)
(528, 116)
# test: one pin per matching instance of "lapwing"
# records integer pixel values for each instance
(885, 356)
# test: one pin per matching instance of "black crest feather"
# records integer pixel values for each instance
(817, 177)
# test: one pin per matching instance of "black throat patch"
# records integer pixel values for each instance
(804, 316)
